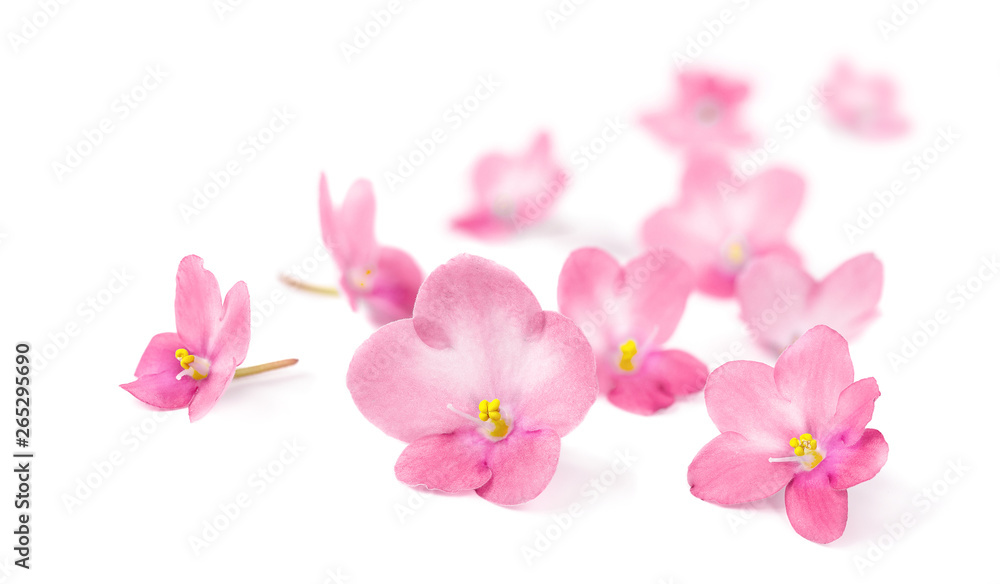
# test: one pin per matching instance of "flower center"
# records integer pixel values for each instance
(735, 253)
(805, 452)
(362, 280)
(708, 113)
(629, 351)
(194, 367)
(491, 421)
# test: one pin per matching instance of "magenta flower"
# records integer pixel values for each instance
(192, 367)
(800, 425)
(513, 192)
(481, 382)
(865, 106)
(779, 301)
(718, 226)
(382, 279)
(705, 115)
(627, 314)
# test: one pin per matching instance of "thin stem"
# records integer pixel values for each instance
(296, 283)
(244, 371)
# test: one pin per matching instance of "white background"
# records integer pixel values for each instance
(336, 507)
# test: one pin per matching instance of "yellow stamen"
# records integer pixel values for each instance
(490, 410)
(806, 444)
(629, 350)
(735, 253)
(186, 359)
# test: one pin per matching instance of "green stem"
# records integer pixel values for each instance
(244, 371)
(328, 290)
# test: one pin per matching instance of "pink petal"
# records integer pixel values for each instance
(741, 397)
(663, 376)
(482, 224)
(349, 232)
(162, 390)
(855, 406)
(816, 510)
(394, 287)
(813, 372)
(445, 462)
(661, 284)
(763, 209)
(210, 389)
(477, 333)
(522, 465)
(858, 463)
(773, 294)
(589, 283)
(847, 299)
(197, 305)
(731, 470)
(232, 339)
(160, 355)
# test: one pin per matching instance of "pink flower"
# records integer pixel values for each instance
(513, 192)
(627, 314)
(705, 115)
(481, 382)
(383, 279)
(865, 106)
(718, 226)
(192, 367)
(779, 300)
(800, 425)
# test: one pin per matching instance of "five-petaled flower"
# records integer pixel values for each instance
(863, 105)
(779, 300)
(193, 366)
(800, 425)
(513, 192)
(718, 226)
(383, 279)
(627, 314)
(481, 382)
(704, 117)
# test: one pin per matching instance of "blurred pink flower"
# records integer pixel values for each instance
(192, 367)
(705, 115)
(481, 382)
(801, 425)
(865, 106)
(627, 314)
(513, 192)
(383, 279)
(779, 300)
(717, 227)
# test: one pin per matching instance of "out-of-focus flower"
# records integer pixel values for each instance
(383, 279)
(801, 426)
(627, 314)
(513, 192)
(717, 227)
(864, 105)
(779, 301)
(704, 116)
(481, 382)
(193, 366)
